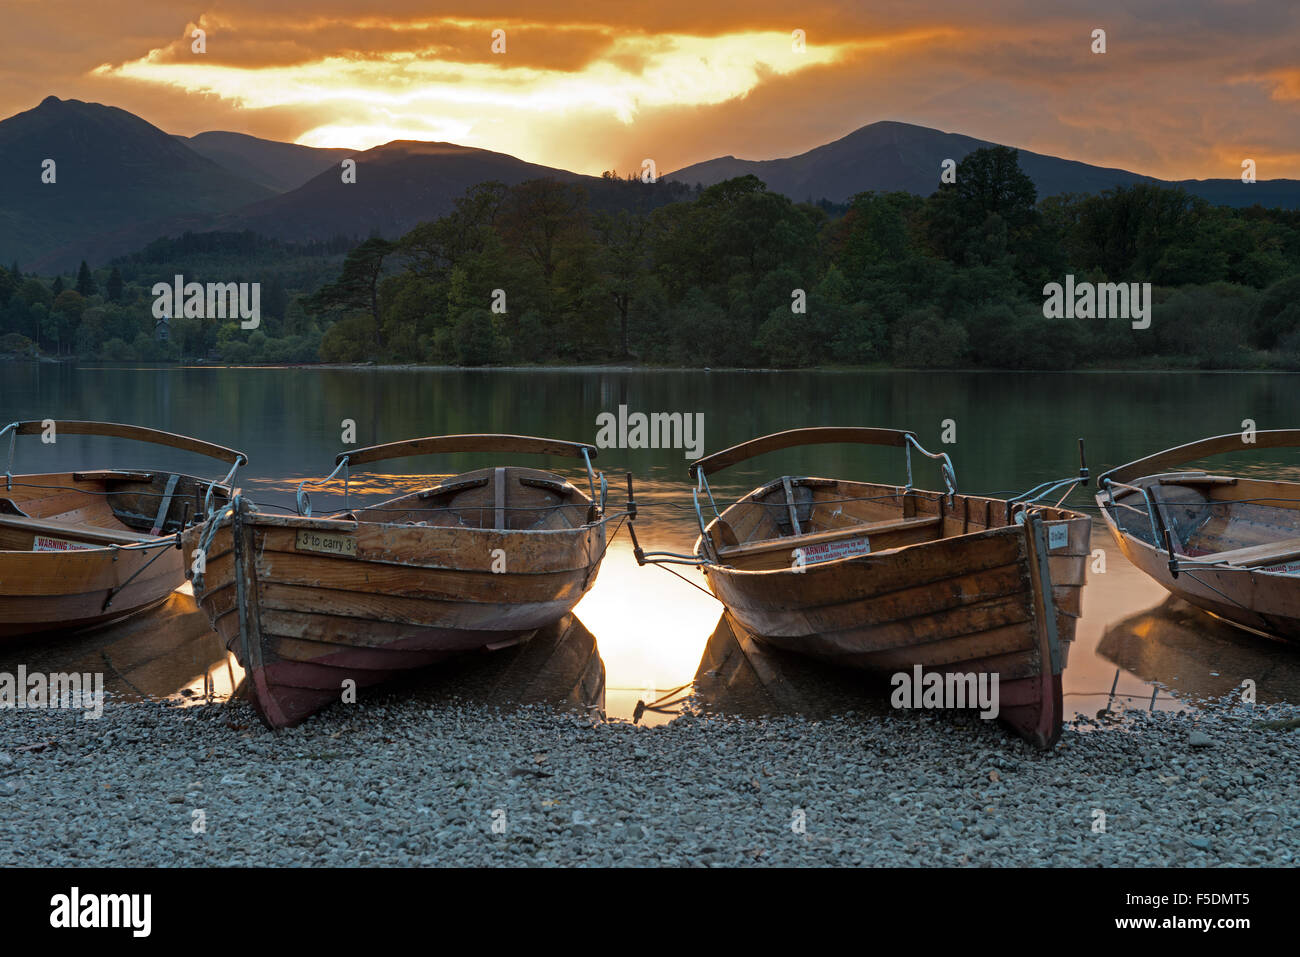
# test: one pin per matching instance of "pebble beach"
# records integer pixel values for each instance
(409, 781)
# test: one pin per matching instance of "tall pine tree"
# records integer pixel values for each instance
(85, 281)
(8, 283)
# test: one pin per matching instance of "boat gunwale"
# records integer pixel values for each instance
(1107, 507)
(1201, 449)
(147, 543)
(710, 565)
(326, 524)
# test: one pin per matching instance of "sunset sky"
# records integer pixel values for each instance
(1186, 89)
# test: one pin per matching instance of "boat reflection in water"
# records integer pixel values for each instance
(171, 652)
(559, 666)
(1195, 655)
(167, 651)
(740, 676)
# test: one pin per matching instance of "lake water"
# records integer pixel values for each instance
(1013, 430)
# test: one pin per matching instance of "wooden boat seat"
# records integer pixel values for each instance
(451, 488)
(775, 484)
(852, 531)
(560, 488)
(91, 534)
(1199, 478)
(499, 486)
(1253, 555)
(505, 503)
(112, 475)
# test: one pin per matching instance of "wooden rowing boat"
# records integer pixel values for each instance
(315, 607)
(79, 549)
(889, 578)
(1228, 544)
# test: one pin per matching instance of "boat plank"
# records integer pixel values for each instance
(416, 582)
(790, 542)
(299, 636)
(397, 609)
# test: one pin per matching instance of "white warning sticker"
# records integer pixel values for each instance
(829, 551)
(44, 543)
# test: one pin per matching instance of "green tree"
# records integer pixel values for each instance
(351, 339)
(540, 217)
(1277, 314)
(475, 338)
(988, 214)
(85, 281)
(1126, 232)
(64, 318)
(116, 350)
(357, 287)
(927, 340)
(8, 284)
(624, 265)
(114, 288)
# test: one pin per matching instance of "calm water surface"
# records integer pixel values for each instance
(1013, 431)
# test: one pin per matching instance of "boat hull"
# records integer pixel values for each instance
(995, 601)
(67, 591)
(311, 626)
(92, 568)
(1256, 600)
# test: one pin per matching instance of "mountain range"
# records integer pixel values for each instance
(277, 166)
(109, 169)
(120, 182)
(888, 156)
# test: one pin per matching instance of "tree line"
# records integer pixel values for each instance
(735, 275)
(108, 313)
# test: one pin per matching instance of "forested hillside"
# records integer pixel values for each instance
(733, 275)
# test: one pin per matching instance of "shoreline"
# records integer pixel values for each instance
(622, 368)
(412, 781)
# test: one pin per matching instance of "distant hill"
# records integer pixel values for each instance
(406, 182)
(270, 163)
(113, 170)
(889, 156)
(398, 185)
(123, 182)
(1269, 193)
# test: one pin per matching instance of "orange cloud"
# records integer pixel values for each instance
(1286, 84)
(427, 90)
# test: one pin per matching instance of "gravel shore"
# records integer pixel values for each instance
(417, 782)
